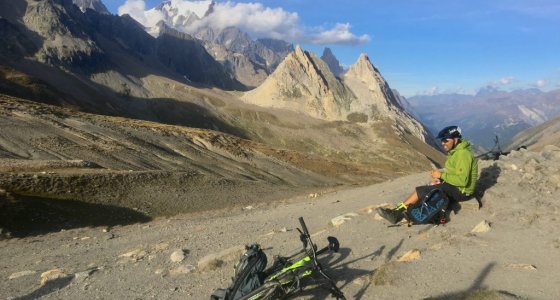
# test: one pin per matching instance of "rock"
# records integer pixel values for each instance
(362, 280)
(161, 246)
(182, 270)
(134, 254)
(470, 205)
(337, 221)
(411, 255)
(522, 266)
(21, 274)
(51, 275)
(483, 226)
(177, 256)
(216, 260)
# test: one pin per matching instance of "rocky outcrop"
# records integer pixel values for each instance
(185, 55)
(61, 36)
(304, 83)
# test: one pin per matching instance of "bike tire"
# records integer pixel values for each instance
(268, 291)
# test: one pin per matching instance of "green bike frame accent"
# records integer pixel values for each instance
(298, 264)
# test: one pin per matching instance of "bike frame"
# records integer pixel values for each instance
(287, 279)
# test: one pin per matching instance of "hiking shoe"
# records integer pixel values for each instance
(391, 215)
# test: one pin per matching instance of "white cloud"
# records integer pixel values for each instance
(432, 91)
(540, 83)
(137, 10)
(506, 80)
(254, 18)
(339, 34)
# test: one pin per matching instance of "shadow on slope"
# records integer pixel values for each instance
(488, 178)
(182, 113)
(28, 216)
(50, 287)
(477, 290)
(339, 271)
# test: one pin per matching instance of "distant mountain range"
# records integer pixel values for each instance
(487, 114)
(56, 53)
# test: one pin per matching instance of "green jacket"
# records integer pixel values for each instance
(461, 168)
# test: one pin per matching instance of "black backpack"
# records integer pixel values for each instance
(248, 275)
(430, 209)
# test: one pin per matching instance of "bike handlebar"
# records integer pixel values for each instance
(303, 226)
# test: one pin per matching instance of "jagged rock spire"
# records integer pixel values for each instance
(331, 60)
(304, 83)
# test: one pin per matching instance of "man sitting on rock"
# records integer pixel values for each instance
(457, 180)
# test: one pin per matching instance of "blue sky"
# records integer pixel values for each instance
(420, 47)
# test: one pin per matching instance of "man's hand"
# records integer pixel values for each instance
(435, 174)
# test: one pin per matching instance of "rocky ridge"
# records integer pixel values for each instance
(547, 133)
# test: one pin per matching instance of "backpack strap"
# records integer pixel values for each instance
(219, 294)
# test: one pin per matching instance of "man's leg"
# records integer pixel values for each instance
(412, 199)
(397, 214)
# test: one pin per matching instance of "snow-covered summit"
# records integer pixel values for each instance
(180, 14)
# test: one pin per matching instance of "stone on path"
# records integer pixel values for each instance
(522, 266)
(21, 274)
(410, 255)
(51, 275)
(180, 270)
(177, 256)
(337, 221)
(483, 226)
(135, 254)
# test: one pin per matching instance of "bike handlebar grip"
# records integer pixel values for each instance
(303, 227)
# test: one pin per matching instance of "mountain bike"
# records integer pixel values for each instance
(284, 278)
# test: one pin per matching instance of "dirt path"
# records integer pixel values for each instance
(518, 256)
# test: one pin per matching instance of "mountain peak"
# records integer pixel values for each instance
(96, 5)
(303, 83)
(333, 63)
(180, 15)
